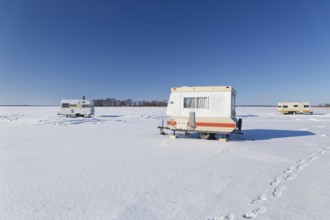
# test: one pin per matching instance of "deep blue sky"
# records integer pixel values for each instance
(269, 50)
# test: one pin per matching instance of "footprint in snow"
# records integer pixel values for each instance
(276, 181)
(312, 158)
(323, 150)
(289, 169)
(302, 166)
(261, 198)
(225, 217)
(301, 161)
(291, 176)
(278, 191)
(254, 213)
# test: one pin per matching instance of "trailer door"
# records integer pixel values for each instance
(301, 107)
(233, 105)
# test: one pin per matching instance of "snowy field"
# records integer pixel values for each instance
(117, 166)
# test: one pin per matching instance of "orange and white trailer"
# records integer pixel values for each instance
(207, 110)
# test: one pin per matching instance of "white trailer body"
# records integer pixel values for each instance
(209, 109)
(76, 108)
(294, 108)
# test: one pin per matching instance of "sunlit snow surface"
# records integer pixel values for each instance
(117, 166)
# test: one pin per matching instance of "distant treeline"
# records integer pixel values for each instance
(324, 105)
(128, 102)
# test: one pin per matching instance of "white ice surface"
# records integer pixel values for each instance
(117, 166)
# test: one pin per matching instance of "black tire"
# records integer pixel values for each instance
(212, 136)
(239, 124)
(204, 135)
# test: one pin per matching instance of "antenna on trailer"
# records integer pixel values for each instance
(83, 97)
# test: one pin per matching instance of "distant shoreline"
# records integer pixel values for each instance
(273, 106)
(123, 106)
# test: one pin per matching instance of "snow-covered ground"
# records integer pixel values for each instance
(117, 166)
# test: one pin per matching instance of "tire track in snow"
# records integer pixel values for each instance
(64, 121)
(9, 118)
(71, 121)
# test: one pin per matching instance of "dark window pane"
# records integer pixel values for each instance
(189, 103)
(65, 105)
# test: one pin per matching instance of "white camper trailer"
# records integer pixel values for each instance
(294, 108)
(206, 110)
(76, 108)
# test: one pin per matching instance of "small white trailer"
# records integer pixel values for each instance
(294, 108)
(76, 108)
(206, 110)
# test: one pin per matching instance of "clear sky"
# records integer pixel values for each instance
(269, 50)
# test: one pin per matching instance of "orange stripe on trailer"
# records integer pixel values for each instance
(211, 124)
(173, 123)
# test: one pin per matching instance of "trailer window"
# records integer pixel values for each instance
(285, 106)
(296, 106)
(85, 106)
(202, 102)
(65, 105)
(196, 102)
(73, 105)
(189, 103)
(306, 106)
(279, 106)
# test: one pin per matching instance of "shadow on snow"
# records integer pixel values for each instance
(255, 134)
(110, 116)
(266, 134)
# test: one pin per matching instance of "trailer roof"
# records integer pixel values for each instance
(203, 89)
(293, 102)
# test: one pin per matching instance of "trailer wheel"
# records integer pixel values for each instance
(204, 135)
